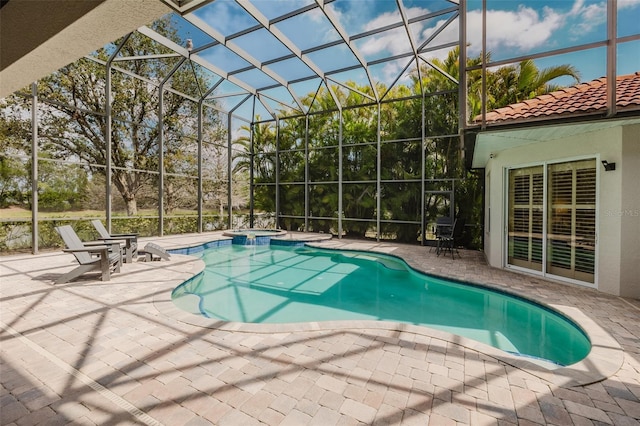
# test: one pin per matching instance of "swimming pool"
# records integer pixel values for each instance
(276, 284)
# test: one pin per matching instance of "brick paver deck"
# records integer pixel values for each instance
(89, 352)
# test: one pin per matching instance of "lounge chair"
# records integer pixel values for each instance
(91, 256)
(130, 240)
(154, 252)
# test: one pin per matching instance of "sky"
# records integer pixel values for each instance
(515, 28)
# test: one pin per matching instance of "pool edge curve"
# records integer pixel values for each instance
(603, 360)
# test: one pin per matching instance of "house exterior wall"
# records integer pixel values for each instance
(630, 213)
(618, 262)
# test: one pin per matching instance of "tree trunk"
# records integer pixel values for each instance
(132, 206)
(126, 185)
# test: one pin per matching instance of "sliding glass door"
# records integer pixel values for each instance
(552, 216)
(526, 211)
(571, 237)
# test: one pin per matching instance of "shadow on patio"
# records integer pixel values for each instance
(91, 352)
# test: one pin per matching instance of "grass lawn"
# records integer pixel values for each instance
(20, 213)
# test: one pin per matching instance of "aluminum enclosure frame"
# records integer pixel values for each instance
(258, 95)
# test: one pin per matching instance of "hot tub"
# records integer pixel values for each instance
(253, 236)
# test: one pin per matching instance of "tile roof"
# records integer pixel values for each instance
(586, 97)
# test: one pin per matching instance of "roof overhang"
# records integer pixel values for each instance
(185, 6)
(38, 37)
(492, 141)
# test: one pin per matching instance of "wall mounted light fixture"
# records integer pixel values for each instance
(608, 166)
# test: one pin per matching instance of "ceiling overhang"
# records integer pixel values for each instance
(490, 142)
(38, 37)
(185, 6)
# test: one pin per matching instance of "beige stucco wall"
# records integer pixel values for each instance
(630, 213)
(38, 37)
(618, 265)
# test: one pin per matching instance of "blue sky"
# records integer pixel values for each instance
(518, 28)
(515, 29)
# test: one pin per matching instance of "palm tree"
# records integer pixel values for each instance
(506, 85)
(513, 84)
(264, 166)
(264, 142)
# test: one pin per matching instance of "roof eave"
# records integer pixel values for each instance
(474, 135)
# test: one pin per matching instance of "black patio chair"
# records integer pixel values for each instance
(447, 242)
(443, 228)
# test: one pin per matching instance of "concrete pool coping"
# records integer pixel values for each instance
(604, 360)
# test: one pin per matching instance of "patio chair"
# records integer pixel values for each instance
(90, 256)
(443, 227)
(447, 241)
(153, 251)
(130, 240)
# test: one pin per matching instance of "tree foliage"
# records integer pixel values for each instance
(74, 125)
(15, 179)
(401, 145)
(424, 122)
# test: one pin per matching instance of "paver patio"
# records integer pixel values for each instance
(119, 352)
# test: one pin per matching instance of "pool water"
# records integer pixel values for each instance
(276, 284)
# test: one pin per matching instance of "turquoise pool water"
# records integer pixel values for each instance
(276, 284)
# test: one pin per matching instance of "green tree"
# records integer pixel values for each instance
(506, 85)
(61, 187)
(401, 159)
(513, 84)
(323, 163)
(15, 180)
(434, 92)
(264, 161)
(71, 129)
(291, 143)
(444, 169)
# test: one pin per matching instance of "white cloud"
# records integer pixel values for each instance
(526, 28)
(388, 18)
(383, 20)
(317, 16)
(522, 30)
(353, 15)
(394, 41)
(224, 18)
(628, 4)
(588, 17)
(577, 6)
(448, 34)
(392, 69)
